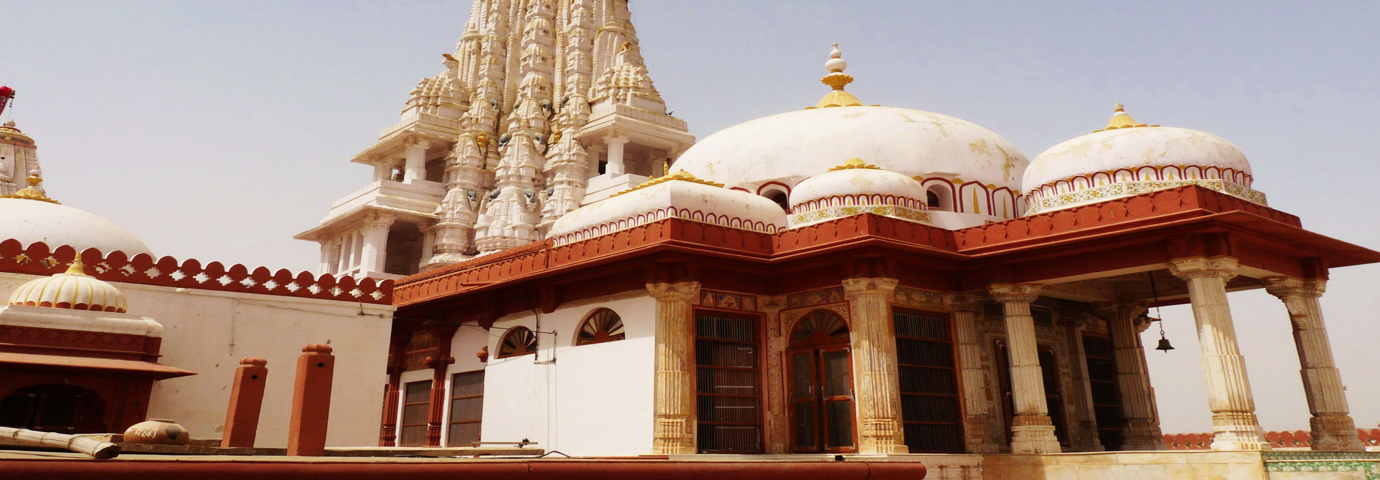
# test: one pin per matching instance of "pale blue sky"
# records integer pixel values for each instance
(219, 130)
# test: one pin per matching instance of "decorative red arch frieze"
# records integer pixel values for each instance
(39, 259)
(1280, 439)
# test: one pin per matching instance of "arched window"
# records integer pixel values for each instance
(938, 197)
(932, 199)
(779, 197)
(517, 342)
(820, 326)
(601, 326)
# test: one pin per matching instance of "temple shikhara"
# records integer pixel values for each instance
(545, 260)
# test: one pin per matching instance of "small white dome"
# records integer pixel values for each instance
(73, 290)
(678, 195)
(793, 146)
(1127, 153)
(856, 187)
(31, 221)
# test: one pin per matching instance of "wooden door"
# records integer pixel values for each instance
(821, 385)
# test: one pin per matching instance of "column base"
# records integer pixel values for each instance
(1033, 435)
(1142, 436)
(1335, 433)
(674, 436)
(1237, 431)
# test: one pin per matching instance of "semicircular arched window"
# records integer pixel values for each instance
(820, 326)
(601, 326)
(517, 342)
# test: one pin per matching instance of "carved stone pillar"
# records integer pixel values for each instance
(1234, 424)
(977, 404)
(674, 430)
(615, 161)
(1140, 430)
(1032, 431)
(439, 365)
(777, 419)
(877, 393)
(1331, 425)
(414, 166)
(375, 251)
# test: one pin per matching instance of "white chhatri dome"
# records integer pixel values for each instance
(788, 148)
(74, 290)
(679, 195)
(1129, 158)
(29, 216)
(856, 187)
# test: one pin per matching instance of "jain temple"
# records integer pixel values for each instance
(545, 261)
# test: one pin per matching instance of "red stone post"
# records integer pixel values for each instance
(311, 401)
(246, 401)
(397, 353)
(439, 364)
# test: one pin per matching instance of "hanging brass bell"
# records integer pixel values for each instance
(1164, 345)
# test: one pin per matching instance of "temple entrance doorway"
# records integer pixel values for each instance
(1049, 371)
(821, 385)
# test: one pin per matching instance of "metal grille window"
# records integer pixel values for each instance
(729, 378)
(416, 410)
(466, 408)
(1106, 395)
(930, 405)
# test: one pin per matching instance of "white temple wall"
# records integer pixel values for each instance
(593, 400)
(208, 332)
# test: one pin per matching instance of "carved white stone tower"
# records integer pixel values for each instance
(546, 105)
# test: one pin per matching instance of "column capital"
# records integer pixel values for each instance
(1110, 311)
(671, 292)
(1284, 287)
(1008, 293)
(616, 139)
(970, 302)
(1222, 267)
(882, 285)
(375, 222)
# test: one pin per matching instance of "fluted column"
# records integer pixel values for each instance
(1032, 431)
(388, 432)
(1331, 424)
(1140, 430)
(1234, 424)
(375, 250)
(976, 404)
(877, 395)
(674, 430)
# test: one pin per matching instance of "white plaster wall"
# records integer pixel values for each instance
(209, 332)
(593, 400)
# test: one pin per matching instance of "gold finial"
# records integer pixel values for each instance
(855, 163)
(682, 175)
(33, 192)
(837, 80)
(77, 268)
(1120, 119)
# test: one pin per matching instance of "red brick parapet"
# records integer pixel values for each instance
(1281, 439)
(40, 259)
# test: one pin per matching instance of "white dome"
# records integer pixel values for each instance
(30, 221)
(1132, 149)
(793, 146)
(678, 195)
(853, 188)
(74, 290)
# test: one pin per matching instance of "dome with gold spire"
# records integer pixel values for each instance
(29, 216)
(1129, 158)
(787, 148)
(73, 290)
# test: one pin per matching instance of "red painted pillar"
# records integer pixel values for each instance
(246, 401)
(397, 350)
(439, 365)
(311, 401)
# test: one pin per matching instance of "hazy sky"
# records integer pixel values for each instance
(219, 130)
